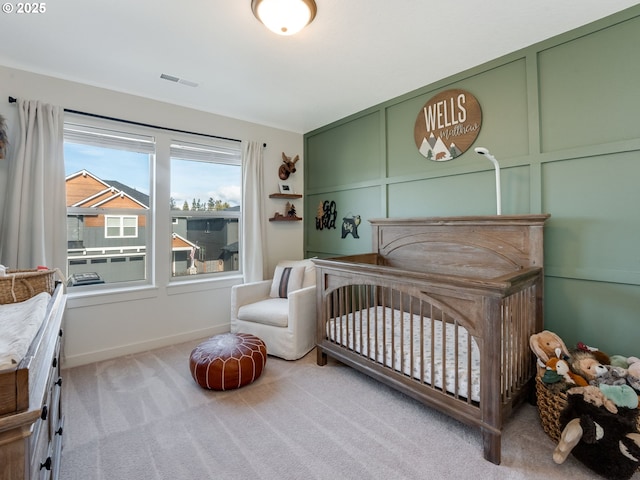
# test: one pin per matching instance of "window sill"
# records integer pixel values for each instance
(189, 285)
(87, 298)
(105, 295)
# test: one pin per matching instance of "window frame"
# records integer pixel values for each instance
(228, 152)
(116, 135)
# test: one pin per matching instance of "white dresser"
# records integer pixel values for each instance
(31, 421)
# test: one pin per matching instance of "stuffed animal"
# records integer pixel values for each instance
(634, 366)
(617, 376)
(619, 361)
(554, 381)
(585, 364)
(634, 382)
(621, 395)
(561, 367)
(606, 442)
(602, 357)
(613, 376)
(546, 345)
(633, 374)
(593, 395)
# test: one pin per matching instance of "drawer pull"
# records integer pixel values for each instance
(59, 382)
(44, 413)
(55, 362)
(46, 464)
(59, 431)
(60, 333)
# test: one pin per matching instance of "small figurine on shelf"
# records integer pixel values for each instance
(289, 214)
(291, 210)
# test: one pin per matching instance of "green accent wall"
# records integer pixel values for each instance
(563, 119)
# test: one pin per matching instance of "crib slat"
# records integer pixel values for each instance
(433, 349)
(422, 321)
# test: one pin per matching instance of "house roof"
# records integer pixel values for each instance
(131, 192)
(179, 243)
(88, 191)
(355, 53)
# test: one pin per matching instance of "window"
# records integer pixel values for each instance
(113, 202)
(121, 226)
(205, 203)
(108, 185)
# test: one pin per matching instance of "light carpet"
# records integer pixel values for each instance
(143, 417)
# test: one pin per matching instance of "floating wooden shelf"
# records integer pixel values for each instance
(285, 195)
(278, 217)
(285, 219)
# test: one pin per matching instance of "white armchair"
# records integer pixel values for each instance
(281, 311)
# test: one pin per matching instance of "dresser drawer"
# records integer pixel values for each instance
(40, 464)
(56, 446)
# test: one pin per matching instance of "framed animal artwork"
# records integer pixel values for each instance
(350, 225)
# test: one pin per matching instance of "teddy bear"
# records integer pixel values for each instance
(606, 440)
(546, 345)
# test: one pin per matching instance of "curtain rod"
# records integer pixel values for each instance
(140, 124)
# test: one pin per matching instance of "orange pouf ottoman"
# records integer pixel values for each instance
(228, 361)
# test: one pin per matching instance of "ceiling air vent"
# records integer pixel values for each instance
(171, 78)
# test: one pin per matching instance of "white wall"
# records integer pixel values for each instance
(109, 325)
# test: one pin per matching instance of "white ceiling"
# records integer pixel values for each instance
(355, 54)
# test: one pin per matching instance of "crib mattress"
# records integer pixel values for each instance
(19, 323)
(402, 350)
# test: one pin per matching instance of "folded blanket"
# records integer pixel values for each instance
(19, 323)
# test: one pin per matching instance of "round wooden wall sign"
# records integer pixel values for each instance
(447, 125)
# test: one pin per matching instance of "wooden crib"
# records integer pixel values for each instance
(442, 311)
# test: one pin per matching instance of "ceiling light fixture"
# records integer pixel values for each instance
(284, 17)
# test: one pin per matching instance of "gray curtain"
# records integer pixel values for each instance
(34, 222)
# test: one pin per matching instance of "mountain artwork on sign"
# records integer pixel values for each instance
(447, 125)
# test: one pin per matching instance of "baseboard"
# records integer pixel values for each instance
(110, 353)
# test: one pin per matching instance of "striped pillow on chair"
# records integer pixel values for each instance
(285, 280)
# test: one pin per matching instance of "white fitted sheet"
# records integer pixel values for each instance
(407, 358)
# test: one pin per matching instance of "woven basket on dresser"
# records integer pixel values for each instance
(20, 285)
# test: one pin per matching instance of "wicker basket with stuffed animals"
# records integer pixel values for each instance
(588, 405)
(550, 404)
